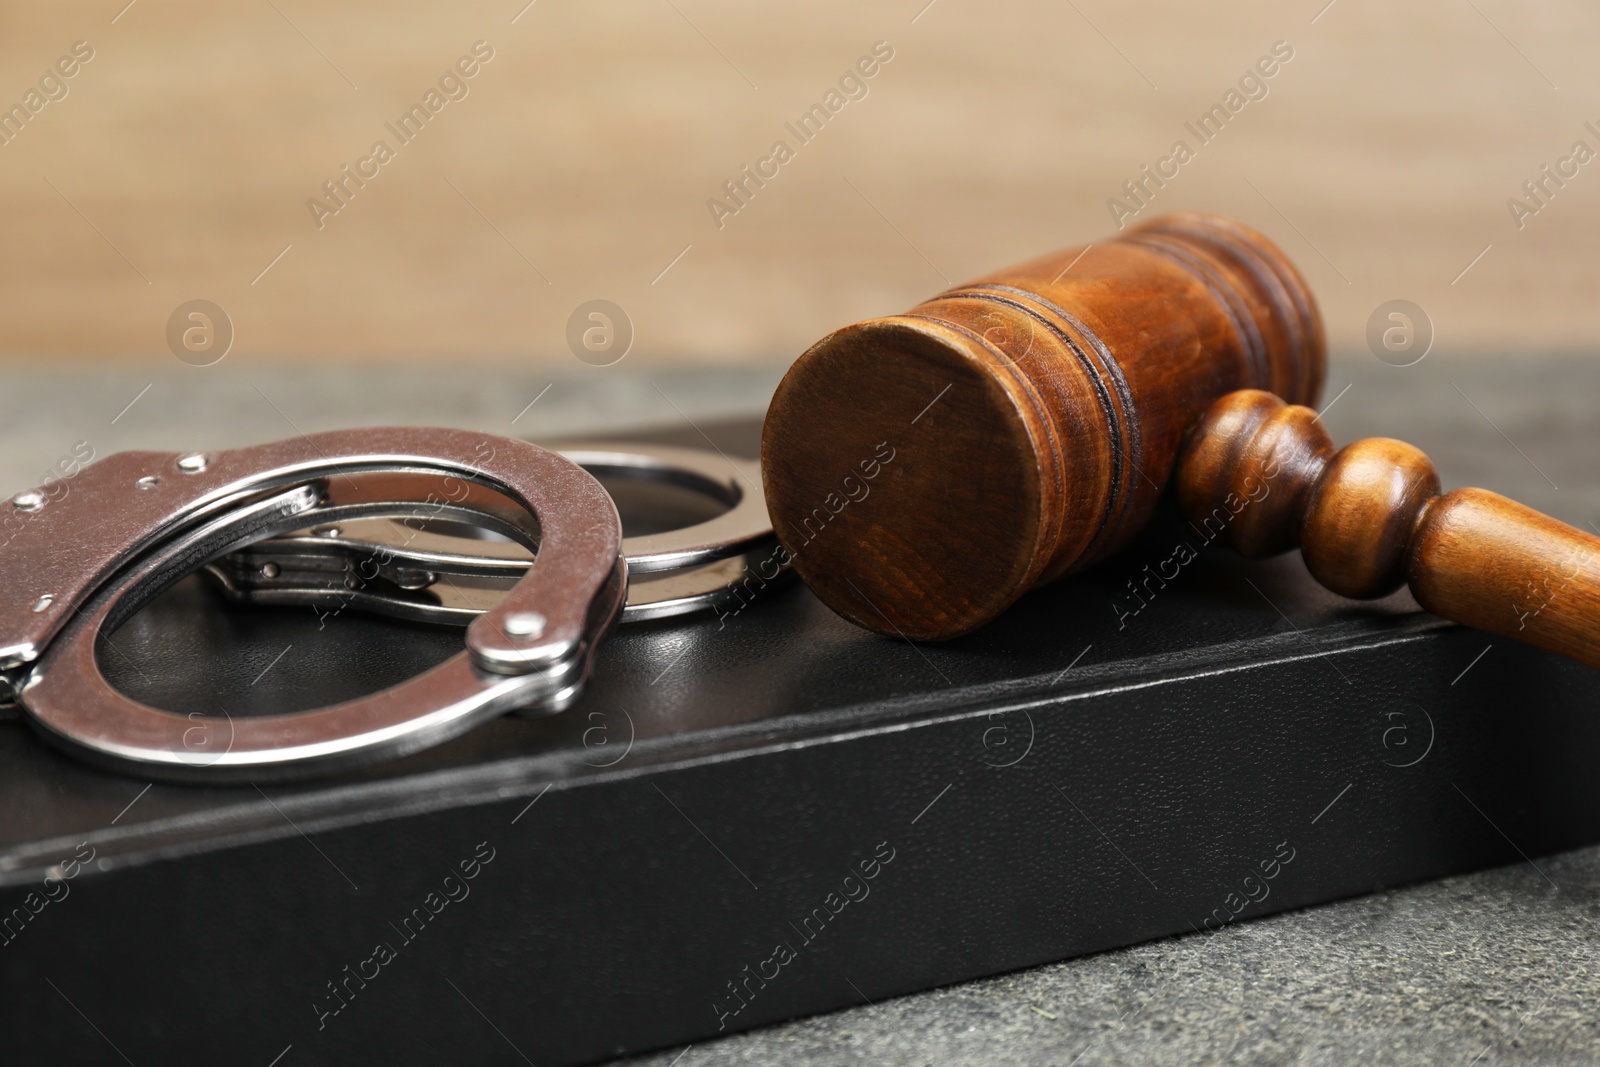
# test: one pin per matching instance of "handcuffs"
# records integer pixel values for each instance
(354, 518)
(428, 575)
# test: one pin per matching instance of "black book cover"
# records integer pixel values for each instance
(763, 813)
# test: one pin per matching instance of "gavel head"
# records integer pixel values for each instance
(925, 470)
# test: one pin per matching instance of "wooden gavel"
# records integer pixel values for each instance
(925, 470)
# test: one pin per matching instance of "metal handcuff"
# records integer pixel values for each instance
(135, 523)
(401, 563)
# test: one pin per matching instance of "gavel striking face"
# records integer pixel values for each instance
(925, 470)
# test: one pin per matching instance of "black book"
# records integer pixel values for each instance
(763, 813)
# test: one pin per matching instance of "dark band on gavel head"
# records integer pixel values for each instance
(925, 470)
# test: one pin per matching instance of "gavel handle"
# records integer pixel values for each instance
(1264, 476)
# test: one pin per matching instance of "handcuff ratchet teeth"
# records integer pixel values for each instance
(134, 523)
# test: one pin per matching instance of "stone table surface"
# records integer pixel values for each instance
(1500, 966)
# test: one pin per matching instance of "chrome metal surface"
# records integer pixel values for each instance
(735, 482)
(136, 522)
(311, 571)
(428, 575)
(73, 548)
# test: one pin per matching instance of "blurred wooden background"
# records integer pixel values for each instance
(179, 164)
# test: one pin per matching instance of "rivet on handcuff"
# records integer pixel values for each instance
(352, 518)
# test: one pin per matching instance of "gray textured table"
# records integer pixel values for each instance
(1502, 966)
